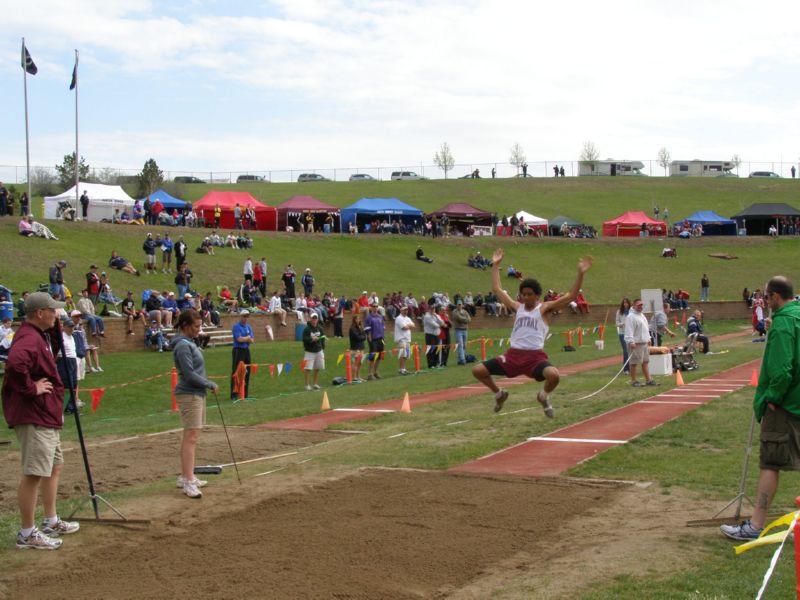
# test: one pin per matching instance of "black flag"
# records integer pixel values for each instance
(74, 76)
(27, 61)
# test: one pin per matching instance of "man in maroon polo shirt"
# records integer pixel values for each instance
(33, 403)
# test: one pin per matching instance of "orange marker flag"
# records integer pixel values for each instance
(97, 395)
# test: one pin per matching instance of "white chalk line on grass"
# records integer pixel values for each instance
(459, 422)
(126, 439)
(396, 435)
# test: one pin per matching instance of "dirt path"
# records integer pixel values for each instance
(312, 532)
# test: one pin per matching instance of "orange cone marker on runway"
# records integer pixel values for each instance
(325, 404)
(406, 407)
(678, 378)
(754, 379)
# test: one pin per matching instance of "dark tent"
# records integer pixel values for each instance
(757, 218)
(169, 202)
(713, 224)
(300, 207)
(367, 210)
(266, 216)
(462, 215)
(556, 223)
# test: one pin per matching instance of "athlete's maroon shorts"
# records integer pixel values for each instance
(530, 363)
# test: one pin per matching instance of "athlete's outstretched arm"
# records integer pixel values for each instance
(584, 265)
(502, 296)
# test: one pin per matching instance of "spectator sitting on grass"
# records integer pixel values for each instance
(230, 241)
(512, 272)
(117, 262)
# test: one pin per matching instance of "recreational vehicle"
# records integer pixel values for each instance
(611, 167)
(701, 168)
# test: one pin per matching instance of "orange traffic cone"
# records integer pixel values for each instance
(325, 404)
(406, 407)
(678, 378)
(754, 379)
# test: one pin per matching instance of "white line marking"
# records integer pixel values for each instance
(578, 440)
(396, 435)
(268, 472)
(513, 412)
(244, 462)
(686, 396)
(459, 422)
(350, 431)
(666, 402)
(372, 410)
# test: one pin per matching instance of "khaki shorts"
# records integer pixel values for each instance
(780, 441)
(193, 410)
(40, 448)
(315, 361)
(640, 354)
(403, 349)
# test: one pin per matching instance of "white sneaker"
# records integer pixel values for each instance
(38, 541)
(197, 482)
(99, 369)
(79, 403)
(545, 402)
(191, 490)
(61, 527)
(308, 388)
(315, 387)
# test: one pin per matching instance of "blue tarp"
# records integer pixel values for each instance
(168, 201)
(368, 209)
(713, 224)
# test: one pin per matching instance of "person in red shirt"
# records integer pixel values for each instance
(33, 401)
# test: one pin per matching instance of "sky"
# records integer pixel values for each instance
(288, 86)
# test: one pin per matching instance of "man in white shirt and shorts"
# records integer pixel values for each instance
(403, 326)
(526, 355)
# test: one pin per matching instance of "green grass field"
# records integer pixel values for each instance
(384, 263)
(698, 455)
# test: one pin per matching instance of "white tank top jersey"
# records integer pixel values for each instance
(530, 330)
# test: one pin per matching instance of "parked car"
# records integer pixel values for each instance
(245, 178)
(311, 177)
(403, 175)
(362, 177)
(188, 179)
(764, 175)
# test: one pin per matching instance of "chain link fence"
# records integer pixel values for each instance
(16, 174)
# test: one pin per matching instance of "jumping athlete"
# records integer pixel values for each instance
(526, 355)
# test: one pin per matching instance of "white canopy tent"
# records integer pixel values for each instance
(531, 220)
(103, 201)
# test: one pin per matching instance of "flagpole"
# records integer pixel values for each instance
(27, 139)
(77, 155)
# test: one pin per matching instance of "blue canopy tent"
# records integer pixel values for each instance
(168, 201)
(713, 224)
(367, 210)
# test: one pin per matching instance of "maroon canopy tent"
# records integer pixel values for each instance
(266, 216)
(303, 206)
(462, 215)
(629, 224)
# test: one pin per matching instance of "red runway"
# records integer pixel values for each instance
(555, 452)
(321, 421)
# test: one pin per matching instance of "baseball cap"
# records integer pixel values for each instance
(365, 292)
(172, 293)
(69, 323)
(187, 295)
(244, 313)
(92, 266)
(62, 263)
(460, 301)
(75, 313)
(314, 316)
(39, 301)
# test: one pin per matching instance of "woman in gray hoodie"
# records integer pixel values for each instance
(190, 395)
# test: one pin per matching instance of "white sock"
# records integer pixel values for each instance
(543, 396)
(51, 520)
(26, 532)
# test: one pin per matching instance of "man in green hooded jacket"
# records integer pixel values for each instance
(776, 404)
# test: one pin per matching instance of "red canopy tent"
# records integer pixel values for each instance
(301, 206)
(462, 215)
(266, 216)
(629, 224)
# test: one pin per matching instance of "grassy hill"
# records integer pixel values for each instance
(383, 263)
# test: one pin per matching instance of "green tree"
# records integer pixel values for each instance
(66, 170)
(151, 178)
